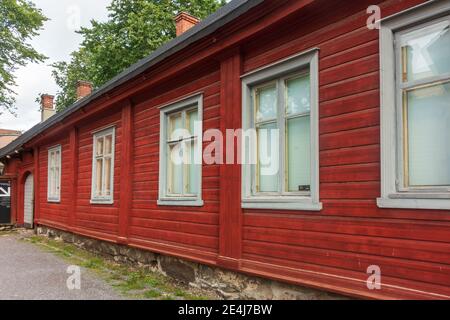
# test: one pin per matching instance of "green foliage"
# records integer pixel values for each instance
(133, 30)
(20, 20)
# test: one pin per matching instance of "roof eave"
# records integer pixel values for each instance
(224, 15)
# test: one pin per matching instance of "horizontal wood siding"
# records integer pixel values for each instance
(350, 233)
(100, 218)
(330, 249)
(56, 212)
(196, 228)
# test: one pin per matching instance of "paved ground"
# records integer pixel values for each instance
(29, 273)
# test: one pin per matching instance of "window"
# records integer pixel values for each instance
(415, 105)
(103, 167)
(280, 110)
(54, 174)
(181, 153)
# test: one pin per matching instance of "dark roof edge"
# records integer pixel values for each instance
(221, 17)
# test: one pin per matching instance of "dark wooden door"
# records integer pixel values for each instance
(5, 202)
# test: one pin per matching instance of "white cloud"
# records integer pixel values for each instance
(57, 40)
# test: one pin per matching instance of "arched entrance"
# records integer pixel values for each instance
(28, 205)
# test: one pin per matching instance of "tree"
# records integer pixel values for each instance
(133, 30)
(20, 20)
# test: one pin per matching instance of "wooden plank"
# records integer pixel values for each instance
(355, 120)
(394, 248)
(73, 176)
(200, 241)
(352, 155)
(230, 174)
(402, 269)
(350, 138)
(186, 227)
(378, 227)
(354, 68)
(126, 171)
(351, 173)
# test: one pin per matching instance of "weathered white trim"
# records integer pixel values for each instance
(282, 61)
(104, 132)
(308, 60)
(297, 203)
(164, 199)
(391, 196)
(429, 10)
(50, 198)
(430, 204)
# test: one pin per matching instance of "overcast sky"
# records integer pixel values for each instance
(57, 40)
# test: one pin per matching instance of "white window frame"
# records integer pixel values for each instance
(99, 134)
(305, 61)
(164, 199)
(54, 197)
(393, 195)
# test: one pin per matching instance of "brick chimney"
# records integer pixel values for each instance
(84, 88)
(184, 21)
(47, 107)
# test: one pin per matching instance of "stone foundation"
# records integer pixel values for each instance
(226, 284)
(6, 227)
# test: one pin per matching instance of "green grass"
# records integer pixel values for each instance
(132, 282)
(152, 294)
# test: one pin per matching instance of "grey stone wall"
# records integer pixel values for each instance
(226, 284)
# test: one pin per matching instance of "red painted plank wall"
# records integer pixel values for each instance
(56, 212)
(330, 249)
(97, 218)
(193, 228)
(412, 247)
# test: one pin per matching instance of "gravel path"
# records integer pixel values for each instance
(29, 273)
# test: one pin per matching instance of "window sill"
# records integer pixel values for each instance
(54, 200)
(181, 202)
(100, 201)
(282, 204)
(408, 203)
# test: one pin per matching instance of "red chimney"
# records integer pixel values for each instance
(47, 107)
(84, 88)
(184, 21)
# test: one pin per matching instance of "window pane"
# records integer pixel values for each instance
(58, 155)
(51, 181)
(268, 163)
(266, 103)
(429, 136)
(427, 51)
(99, 180)
(298, 95)
(107, 176)
(192, 118)
(99, 148)
(175, 123)
(175, 172)
(57, 179)
(108, 145)
(299, 154)
(192, 187)
(52, 160)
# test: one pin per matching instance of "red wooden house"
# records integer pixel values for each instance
(364, 152)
